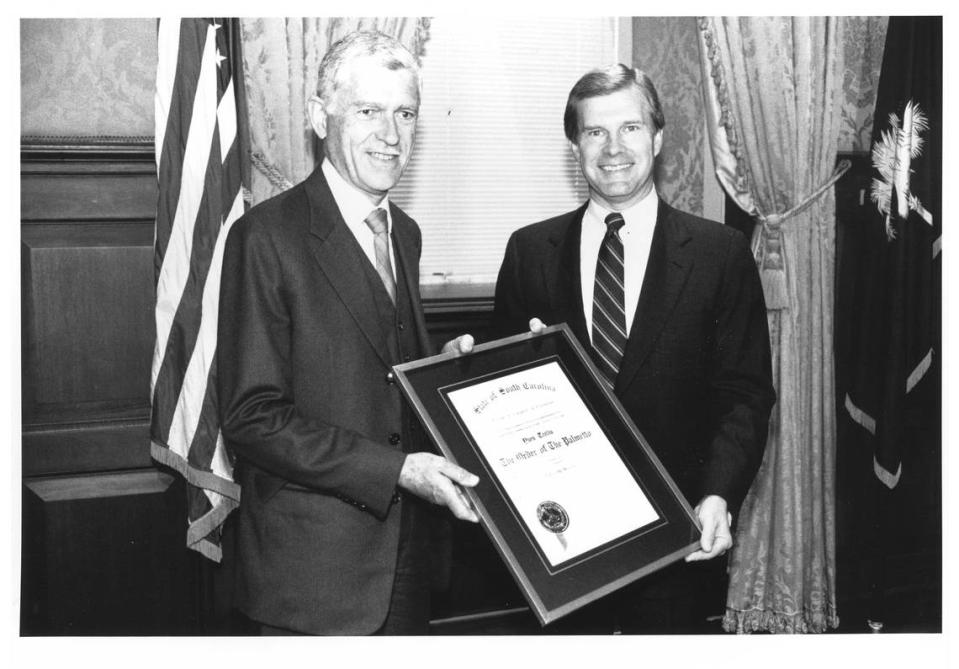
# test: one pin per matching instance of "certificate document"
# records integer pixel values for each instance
(555, 464)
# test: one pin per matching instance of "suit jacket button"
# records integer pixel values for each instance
(394, 439)
(390, 378)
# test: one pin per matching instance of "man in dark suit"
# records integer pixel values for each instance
(319, 297)
(670, 307)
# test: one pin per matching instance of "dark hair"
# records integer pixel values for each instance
(607, 80)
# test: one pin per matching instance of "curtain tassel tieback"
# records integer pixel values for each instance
(273, 174)
(768, 247)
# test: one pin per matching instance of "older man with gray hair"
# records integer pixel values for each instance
(319, 298)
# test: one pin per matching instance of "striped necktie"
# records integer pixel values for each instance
(609, 300)
(381, 244)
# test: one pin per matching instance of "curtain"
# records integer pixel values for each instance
(774, 96)
(281, 58)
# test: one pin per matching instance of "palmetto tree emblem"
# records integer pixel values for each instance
(892, 157)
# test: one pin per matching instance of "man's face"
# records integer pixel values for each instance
(616, 148)
(369, 124)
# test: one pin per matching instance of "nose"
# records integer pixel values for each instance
(388, 131)
(614, 144)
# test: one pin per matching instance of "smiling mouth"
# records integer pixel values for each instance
(384, 157)
(615, 168)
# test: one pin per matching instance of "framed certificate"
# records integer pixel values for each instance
(570, 493)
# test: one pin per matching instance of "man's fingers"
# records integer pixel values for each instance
(461, 345)
(436, 479)
(458, 475)
(536, 325)
(460, 505)
(719, 544)
(465, 343)
(706, 540)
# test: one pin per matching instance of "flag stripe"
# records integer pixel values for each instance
(181, 355)
(860, 416)
(888, 479)
(174, 107)
(175, 268)
(168, 32)
(919, 371)
(199, 174)
(200, 376)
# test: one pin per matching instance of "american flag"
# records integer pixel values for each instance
(200, 196)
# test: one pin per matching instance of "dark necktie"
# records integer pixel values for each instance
(609, 300)
(381, 244)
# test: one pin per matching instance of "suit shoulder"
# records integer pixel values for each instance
(549, 228)
(709, 232)
(276, 216)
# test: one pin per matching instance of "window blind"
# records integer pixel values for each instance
(490, 153)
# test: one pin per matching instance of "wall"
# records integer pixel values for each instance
(87, 77)
(666, 48)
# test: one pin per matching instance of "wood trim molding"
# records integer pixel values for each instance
(100, 485)
(75, 148)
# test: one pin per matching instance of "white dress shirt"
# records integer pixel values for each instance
(355, 206)
(637, 236)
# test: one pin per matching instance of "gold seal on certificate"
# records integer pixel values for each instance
(552, 516)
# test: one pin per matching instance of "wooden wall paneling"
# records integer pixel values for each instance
(90, 322)
(83, 181)
(104, 555)
(87, 296)
(81, 191)
(86, 448)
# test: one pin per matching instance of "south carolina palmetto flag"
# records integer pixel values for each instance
(200, 196)
(891, 292)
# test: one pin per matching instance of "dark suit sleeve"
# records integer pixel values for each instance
(259, 418)
(740, 379)
(509, 309)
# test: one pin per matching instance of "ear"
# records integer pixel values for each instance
(574, 147)
(316, 110)
(657, 142)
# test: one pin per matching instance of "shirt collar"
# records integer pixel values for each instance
(641, 213)
(354, 205)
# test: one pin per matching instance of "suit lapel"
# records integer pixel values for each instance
(340, 258)
(562, 284)
(667, 269)
(405, 248)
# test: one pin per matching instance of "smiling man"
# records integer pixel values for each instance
(671, 309)
(319, 298)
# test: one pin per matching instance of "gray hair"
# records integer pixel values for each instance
(386, 50)
(607, 80)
